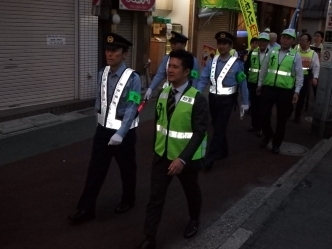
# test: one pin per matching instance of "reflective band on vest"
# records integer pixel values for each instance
(166, 84)
(217, 87)
(174, 133)
(280, 74)
(306, 58)
(111, 122)
(255, 65)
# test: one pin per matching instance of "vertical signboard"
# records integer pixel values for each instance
(326, 54)
(248, 11)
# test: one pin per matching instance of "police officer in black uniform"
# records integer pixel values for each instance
(118, 96)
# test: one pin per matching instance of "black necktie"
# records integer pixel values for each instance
(171, 103)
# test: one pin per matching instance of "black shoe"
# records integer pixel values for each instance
(123, 208)
(148, 243)
(259, 133)
(251, 129)
(275, 149)
(82, 215)
(191, 229)
(265, 142)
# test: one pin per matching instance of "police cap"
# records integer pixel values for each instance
(114, 41)
(224, 36)
(177, 37)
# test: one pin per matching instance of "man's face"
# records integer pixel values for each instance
(262, 44)
(304, 42)
(272, 39)
(318, 38)
(286, 41)
(177, 46)
(176, 72)
(254, 45)
(115, 57)
(224, 47)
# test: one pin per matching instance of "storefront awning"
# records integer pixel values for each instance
(315, 9)
(220, 4)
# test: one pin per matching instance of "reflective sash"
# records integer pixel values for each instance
(217, 87)
(166, 84)
(108, 120)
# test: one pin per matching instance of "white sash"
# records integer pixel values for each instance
(166, 84)
(217, 87)
(111, 121)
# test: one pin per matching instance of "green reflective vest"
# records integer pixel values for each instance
(280, 75)
(174, 134)
(255, 66)
(306, 58)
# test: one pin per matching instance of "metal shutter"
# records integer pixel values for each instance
(207, 30)
(33, 72)
(125, 29)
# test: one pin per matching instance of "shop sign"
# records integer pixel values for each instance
(138, 5)
(220, 4)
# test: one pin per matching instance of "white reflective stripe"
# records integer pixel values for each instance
(103, 96)
(166, 84)
(283, 73)
(254, 53)
(111, 122)
(163, 96)
(217, 87)
(188, 100)
(174, 134)
(254, 70)
(305, 68)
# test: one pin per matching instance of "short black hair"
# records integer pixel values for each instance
(254, 39)
(321, 33)
(308, 35)
(187, 59)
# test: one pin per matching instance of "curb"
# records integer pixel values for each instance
(241, 221)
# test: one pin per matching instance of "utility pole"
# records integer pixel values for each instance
(322, 116)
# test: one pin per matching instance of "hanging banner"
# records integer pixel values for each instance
(220, 4)
(138, 5)
(248, 12)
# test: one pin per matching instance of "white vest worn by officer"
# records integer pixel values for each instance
(217, 87)
(166, 84)
(107, 116)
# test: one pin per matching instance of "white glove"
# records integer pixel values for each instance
(148, 94)
(244, 108)
(115, 140)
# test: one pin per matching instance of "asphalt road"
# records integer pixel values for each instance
(39, 192)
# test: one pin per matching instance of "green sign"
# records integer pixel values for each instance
(220, 4)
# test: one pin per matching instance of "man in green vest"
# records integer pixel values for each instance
(182, 119)
(281, 76)
(252, 67)
(310, 66)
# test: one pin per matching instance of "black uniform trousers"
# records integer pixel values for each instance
(101, 157)
(159, 184)
(302, 97)
(254, 106)
(221, 107)
(282, 98)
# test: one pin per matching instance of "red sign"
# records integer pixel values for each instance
(140, 5)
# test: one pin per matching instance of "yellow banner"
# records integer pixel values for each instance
(248, 12)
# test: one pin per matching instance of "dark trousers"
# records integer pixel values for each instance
(282, 98)
(302, 97)
(221, 107)
(254, 106)
(159, 184)
(101, 157)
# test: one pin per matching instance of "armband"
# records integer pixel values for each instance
(194, 74)
(241, 76)
(134, 96)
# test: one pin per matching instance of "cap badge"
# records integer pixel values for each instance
(222, 35)
(110, 39)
